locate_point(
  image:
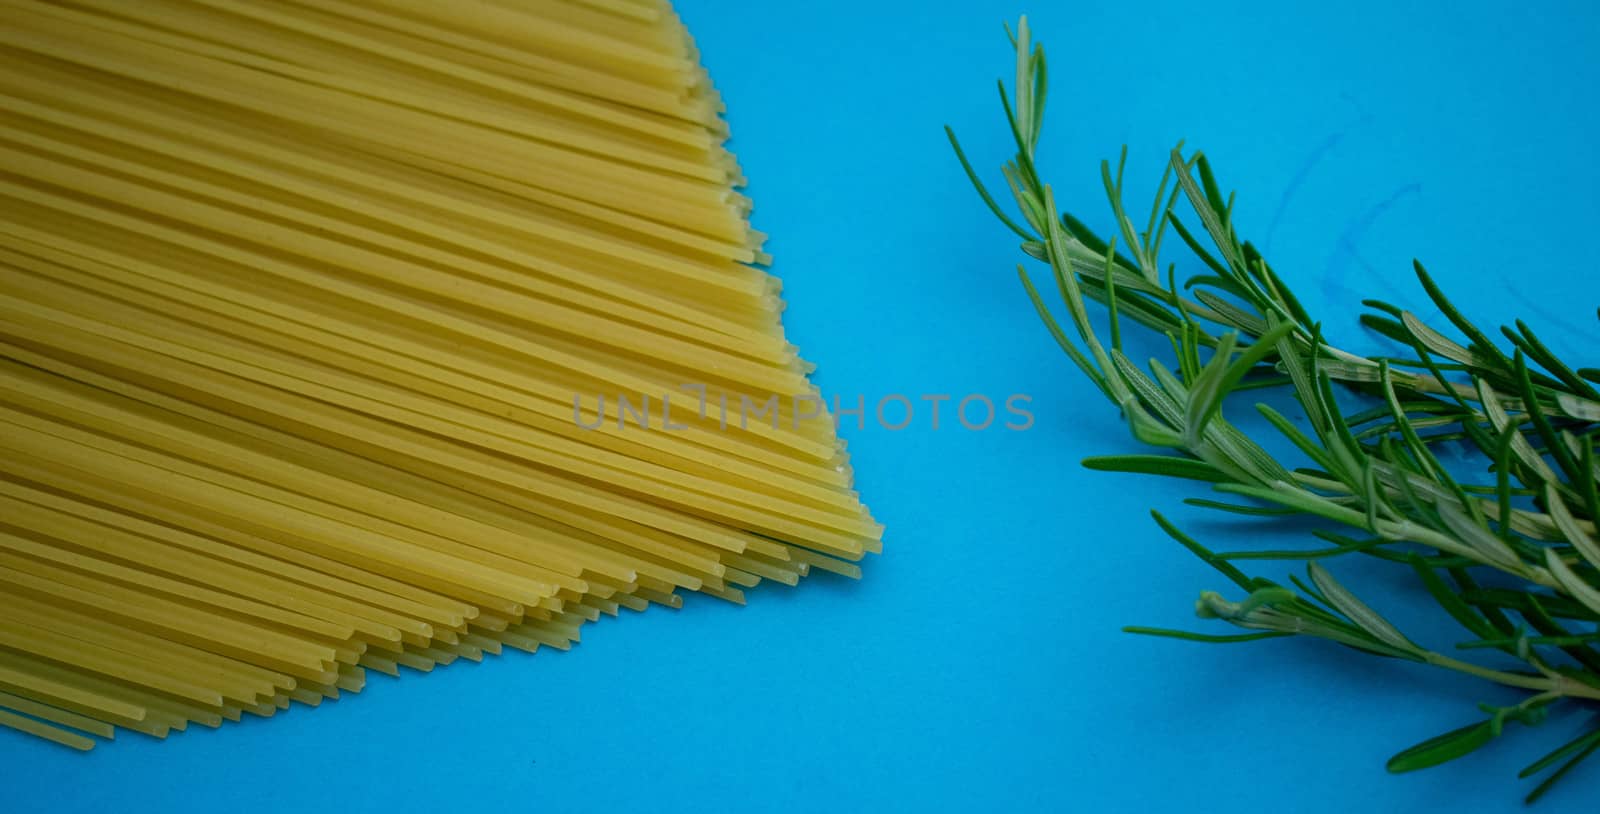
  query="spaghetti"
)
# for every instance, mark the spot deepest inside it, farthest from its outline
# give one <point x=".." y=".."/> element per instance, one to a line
<point x="310" y="316"/>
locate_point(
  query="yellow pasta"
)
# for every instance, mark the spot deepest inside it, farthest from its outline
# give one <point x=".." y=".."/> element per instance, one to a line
<point x="356" y="335"/>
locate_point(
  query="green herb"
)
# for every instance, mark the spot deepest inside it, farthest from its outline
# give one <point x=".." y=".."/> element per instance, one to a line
<point x="1374" y="476"/>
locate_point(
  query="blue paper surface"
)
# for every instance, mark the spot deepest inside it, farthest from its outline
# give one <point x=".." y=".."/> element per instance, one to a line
<point x="979" y="663"/>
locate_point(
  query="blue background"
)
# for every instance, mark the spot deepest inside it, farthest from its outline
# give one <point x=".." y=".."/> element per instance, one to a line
<point x="979" y="665"/>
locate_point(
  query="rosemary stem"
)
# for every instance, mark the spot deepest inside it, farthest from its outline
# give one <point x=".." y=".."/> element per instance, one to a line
<point x="1551" y="686"/>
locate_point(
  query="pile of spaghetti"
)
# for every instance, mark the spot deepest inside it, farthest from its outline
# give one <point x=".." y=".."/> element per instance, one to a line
<point x="314" y="322"/>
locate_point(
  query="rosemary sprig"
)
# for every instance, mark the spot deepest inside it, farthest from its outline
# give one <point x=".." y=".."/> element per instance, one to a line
<point x="1375" y="477"/>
